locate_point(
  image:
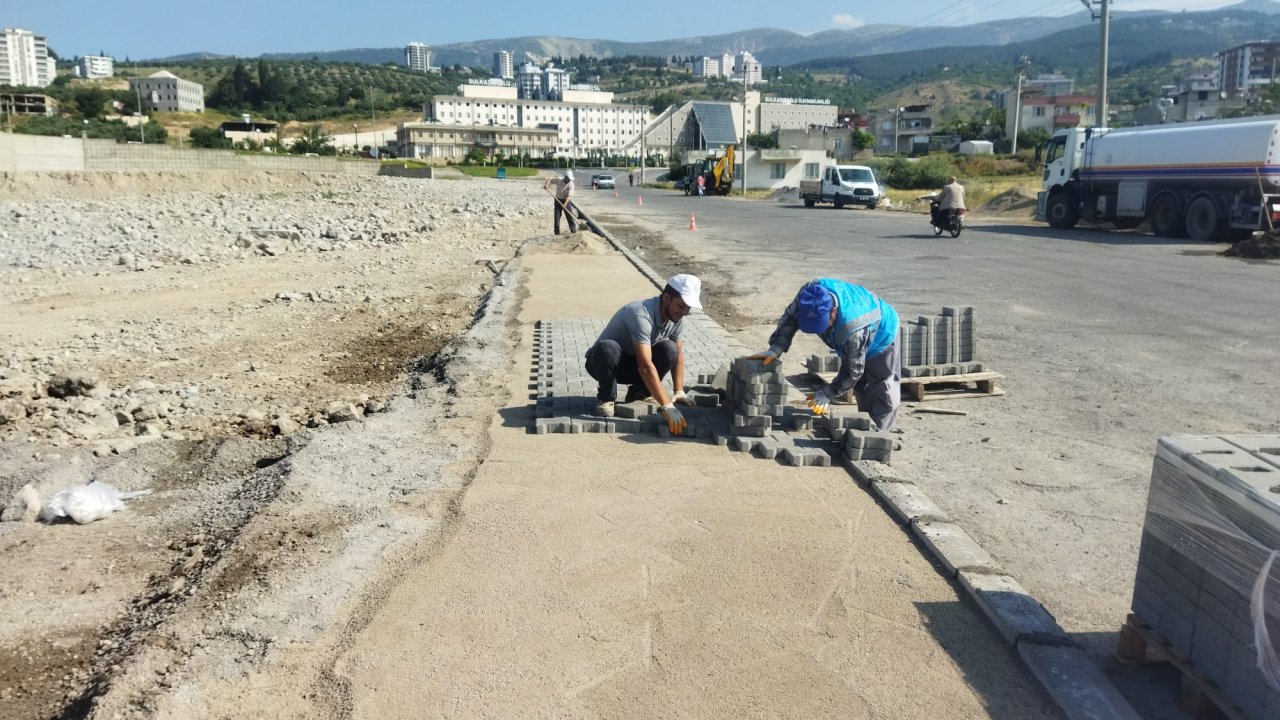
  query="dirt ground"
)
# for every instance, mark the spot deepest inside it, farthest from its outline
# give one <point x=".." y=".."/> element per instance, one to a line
<point x="248" y="354"/>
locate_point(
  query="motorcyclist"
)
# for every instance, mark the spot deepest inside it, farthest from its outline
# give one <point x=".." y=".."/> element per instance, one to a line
<point x="951" y="198"/>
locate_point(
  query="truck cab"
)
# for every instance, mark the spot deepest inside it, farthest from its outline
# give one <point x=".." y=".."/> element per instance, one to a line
<point x="843" y="185"/>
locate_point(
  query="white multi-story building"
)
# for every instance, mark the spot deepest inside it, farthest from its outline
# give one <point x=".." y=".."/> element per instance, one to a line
<point x="555" y="81"/>
<point x="706" y="67"/>
<point x="24" y="59"/>
<point x="726" y="64"/>
<point x="165" y="92"/>
<point x="417" y="57"/>
<point x="750" y="67"/>
<point x="504" y="65"/>
<point x="529" y="81"/>
<point x="585" y="121"/>
<point x="95" y="66"/>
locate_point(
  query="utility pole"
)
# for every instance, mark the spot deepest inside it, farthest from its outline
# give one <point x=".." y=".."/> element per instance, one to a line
<point x="1104" y="14"/>
<point x="744" y="127"/>
<point x="142" y="131"/>
<point x="1017" y="116"/>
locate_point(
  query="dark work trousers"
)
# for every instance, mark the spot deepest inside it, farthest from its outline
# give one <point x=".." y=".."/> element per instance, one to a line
<point x="609" y="365"/>
<point x="561" y="208"/>
<point x="879" y="390"/>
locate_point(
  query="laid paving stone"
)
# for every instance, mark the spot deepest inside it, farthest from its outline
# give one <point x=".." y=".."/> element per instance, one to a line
<point x="953" y="547"/>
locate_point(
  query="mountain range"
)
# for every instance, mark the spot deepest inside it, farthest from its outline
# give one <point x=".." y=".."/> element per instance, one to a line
<point x="770" y="46"/>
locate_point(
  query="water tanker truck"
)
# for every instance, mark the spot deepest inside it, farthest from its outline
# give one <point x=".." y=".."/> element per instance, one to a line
<point x="1210" y="181"/>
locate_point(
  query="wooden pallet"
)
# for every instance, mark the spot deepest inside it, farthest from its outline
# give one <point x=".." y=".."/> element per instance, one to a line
<point x="952" y="387"/>
<point x="1198" y="695"/>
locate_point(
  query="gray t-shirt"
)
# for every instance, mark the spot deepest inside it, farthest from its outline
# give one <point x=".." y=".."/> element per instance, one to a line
<point x="637" y="322"/>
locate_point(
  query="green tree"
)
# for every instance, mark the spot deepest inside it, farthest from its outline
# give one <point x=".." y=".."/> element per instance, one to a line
<point x="1032" y="137"/>
<point x="90" y="102"/>
<point x="762" y="140"/>
<point x="235" y="91"/>
<point x="207" y="137"/>
<point x="860" y="140"/>
<point x="312" y="139"/>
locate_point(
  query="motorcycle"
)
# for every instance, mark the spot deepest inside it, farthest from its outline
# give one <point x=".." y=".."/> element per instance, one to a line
<point x="950" y="220"/>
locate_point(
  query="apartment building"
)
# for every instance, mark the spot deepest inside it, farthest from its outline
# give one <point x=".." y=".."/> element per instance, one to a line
<point x="25" y="60"/>
<point x="95" y="66"/>
<point x="504" y="65"/>
<point x="904" y="130"/>
<point x="417" y="57"/>
<point x="1245" y="70"/>
<point x="1052" y="112"/>
<point x="441" y="143"/>
<point x="163" y="91"/>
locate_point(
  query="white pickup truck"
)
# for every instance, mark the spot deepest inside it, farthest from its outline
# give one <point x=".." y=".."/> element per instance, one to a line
<point x="843" y="185"/>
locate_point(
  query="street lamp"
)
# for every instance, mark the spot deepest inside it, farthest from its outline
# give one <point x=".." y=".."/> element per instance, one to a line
<point x="744" y="127"/>
<point x="897" y="124"/>
<point x="356" y="131"/>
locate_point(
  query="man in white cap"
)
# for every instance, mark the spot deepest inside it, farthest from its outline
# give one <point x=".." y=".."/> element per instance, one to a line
<point x="563" y="201"/>
<point x="640" y="345"/>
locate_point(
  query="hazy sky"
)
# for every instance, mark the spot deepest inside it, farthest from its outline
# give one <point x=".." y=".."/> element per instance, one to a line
<point x="150" y="29"/>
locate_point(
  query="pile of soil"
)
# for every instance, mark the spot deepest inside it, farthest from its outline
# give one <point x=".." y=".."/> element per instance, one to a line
<point x="1019" y="200"/>
<point x="1263" y="245"/>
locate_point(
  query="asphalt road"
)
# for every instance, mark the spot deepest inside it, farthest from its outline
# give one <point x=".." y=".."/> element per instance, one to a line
<point x="1108" y="341"/>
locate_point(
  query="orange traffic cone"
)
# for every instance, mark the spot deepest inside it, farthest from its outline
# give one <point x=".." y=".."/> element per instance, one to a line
<point x="639" y="200"/>
<point x="693" y="224"/>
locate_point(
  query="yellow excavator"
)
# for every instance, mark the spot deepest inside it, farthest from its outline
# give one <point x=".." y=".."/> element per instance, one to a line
<point x="717" y="172"/>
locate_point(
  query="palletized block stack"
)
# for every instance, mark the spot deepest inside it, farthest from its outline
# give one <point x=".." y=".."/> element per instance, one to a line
<point x="755" y="393"/>
<point x="856" y="436"/>
<point x="934" y="345"/>
<point x="1212" y="522"/>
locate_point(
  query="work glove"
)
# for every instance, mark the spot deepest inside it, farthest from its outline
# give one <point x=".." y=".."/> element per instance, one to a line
<point x="675" y="419"/>
<point x="818" y="402"/>
<point x="767" y="357"/>
<point x="679" y="398"/>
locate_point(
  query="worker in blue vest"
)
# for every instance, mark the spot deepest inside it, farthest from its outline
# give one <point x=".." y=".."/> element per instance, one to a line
<point x="862" y="329"/>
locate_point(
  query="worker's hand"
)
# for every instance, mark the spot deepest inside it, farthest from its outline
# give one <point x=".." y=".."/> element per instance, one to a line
<point x="818" y="402"/>
<point x="679" y="398"/>
<point x="767" y="357"/>
<point x="675" y="419"/>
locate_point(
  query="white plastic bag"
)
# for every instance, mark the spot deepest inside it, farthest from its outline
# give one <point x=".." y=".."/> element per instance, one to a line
<point x="86" y="503"/>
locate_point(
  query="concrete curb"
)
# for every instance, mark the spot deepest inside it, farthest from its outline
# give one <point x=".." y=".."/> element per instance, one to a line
<point x="1065" y="670"/>
<point x="1071" y="678"/>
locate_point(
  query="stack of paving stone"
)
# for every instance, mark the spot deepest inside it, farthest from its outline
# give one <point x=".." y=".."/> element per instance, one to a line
<point x="930" y="345"/>
<point x="755" y="393"/>
<point x="1213" y="520"/>
<point x="937" y="345"/>
<point x="856" y="436"/>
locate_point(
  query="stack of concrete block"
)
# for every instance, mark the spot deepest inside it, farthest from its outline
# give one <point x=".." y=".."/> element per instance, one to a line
<point x="797" y="452"/>
<point x="936" y="345"/>
<point x="1213" y="519"/>
<point x="822" y="363"/>
<point x="755" y="394"/>
<point x="856" y="436"/>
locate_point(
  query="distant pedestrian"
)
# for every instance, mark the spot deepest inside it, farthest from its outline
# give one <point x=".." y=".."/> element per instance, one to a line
<point x="702" y="184"/>
<point x="631" y="178"/>
<point x="563" y="201"/>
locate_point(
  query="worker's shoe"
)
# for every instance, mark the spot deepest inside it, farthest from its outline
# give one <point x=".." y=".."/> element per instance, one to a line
<point x="604" y="408"/>
<point x="637" y="392"/>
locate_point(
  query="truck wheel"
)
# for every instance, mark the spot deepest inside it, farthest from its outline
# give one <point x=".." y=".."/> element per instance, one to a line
<point x="808" y="202"/>
<point x="1166" y="217"/>
<point x="1202" y="219"/>
<point x="1061" y="212"/>
<point x="839" y="202"/>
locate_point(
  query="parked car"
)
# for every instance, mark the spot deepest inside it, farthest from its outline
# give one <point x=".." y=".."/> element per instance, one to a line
<point x="602" y="181"/>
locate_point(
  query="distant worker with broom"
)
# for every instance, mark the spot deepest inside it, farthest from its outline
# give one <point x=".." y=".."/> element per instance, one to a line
<point x="563" y="200"/>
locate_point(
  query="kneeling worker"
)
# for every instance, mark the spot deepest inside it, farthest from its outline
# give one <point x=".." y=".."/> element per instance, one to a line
<point x="640" y="345"/>
<point x="862" y="329"/>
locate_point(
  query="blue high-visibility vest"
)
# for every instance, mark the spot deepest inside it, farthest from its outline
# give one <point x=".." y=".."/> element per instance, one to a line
<point x="857" y="308"/>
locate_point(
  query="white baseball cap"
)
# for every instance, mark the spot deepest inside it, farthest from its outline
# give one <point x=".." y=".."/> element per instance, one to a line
<point x="689" y="287"/>
<point x="568" y="174"/>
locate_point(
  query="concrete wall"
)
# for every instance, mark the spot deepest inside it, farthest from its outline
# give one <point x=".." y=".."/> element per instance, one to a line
<point x="36" y="153"/>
